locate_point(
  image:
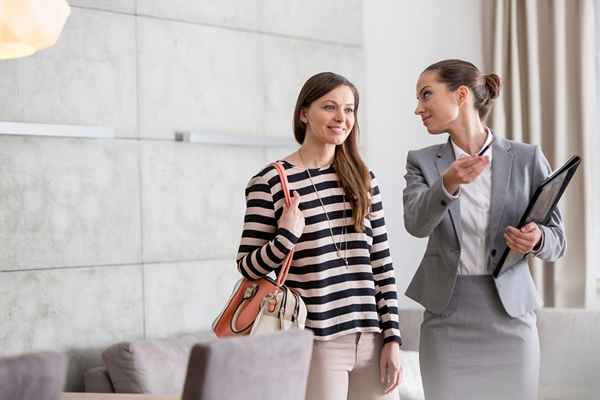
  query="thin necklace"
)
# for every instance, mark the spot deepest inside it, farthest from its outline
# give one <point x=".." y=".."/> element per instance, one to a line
<point x="337" y="248"/>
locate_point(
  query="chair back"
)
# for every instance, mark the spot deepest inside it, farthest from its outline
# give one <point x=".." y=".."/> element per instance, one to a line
<point x="38" y="376"/>
<point x="265" y="367"/>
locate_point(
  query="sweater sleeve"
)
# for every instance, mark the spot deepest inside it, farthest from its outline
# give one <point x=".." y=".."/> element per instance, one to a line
<point x="386" y="293"/>
<point x="263" y="245"/>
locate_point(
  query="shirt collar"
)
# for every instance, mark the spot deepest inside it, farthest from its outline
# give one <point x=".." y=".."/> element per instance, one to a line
<point x="458" y="152"/>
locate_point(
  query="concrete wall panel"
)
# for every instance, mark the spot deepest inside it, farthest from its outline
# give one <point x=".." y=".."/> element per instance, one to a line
<point x="186" y="297"/>
<point x="193" y="199"/>
<point x="333" y="20"/>
<point x="68" y="202"/>
<point x="87" y="78"/>
<point x="196" y="77"/>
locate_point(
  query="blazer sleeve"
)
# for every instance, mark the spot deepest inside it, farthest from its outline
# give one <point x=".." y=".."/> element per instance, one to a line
<point x="263" y="245"/>
<point x="424" y="205"/>
<point x="554" y="243"/>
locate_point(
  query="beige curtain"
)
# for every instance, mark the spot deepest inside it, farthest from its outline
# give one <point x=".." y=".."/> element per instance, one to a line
<point x="545" y="52"/>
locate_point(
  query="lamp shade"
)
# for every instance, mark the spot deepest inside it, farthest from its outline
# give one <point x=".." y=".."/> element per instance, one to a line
<point x="27" y="26"/>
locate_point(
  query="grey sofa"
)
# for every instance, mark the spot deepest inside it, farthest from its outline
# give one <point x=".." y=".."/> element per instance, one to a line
<point x="37" y="376"/>
<point x="569" y="341"/>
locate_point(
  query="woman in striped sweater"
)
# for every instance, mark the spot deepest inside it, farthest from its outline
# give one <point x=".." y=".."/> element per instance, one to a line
<point x="342" y="266"/>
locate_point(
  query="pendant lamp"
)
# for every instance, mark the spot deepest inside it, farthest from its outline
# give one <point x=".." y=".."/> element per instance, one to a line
<point x="27" y="26"/>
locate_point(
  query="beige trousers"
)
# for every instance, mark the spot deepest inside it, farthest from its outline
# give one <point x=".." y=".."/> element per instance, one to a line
<point x="347" y="368"/>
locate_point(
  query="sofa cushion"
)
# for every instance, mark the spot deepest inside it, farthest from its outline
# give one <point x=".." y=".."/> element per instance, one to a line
<point x="155" y="366"/>
<point x="96" y="380"/>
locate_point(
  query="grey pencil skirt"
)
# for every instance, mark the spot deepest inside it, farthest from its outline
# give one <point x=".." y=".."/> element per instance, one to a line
<point x="475" y="350"/>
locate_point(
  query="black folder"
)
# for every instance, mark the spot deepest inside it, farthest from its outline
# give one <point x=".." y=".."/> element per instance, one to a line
<point x="541" y="205"/>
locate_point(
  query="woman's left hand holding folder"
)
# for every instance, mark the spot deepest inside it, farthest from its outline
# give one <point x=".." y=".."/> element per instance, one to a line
<point x="524" y="240"/>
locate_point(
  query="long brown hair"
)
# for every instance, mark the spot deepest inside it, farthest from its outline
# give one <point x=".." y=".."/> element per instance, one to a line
<point x="455" y="73"/>
<point x="350" y="168"/>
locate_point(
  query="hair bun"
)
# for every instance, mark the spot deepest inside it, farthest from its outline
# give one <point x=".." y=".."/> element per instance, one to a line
<point x="492" y="84"/>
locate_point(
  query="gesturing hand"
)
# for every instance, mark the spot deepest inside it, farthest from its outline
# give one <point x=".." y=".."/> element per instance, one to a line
<point x="292" y="218"/>
<point x="523" y="240"/>
<point x="463" y="171"/>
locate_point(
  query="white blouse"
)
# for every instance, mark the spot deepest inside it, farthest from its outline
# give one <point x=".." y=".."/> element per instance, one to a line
<point x="475" y="214"/>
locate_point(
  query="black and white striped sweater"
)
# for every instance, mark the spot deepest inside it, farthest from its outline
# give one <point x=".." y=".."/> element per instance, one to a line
<point x="340" y="299"/>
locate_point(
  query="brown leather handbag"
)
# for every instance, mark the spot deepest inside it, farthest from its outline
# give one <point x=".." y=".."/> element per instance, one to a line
<point x="263" y="305"/>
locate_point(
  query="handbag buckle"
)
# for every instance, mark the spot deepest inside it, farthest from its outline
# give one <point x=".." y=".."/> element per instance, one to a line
<point x="272" y="304"/>
<point x="271" y="301"/>
<point x="250" y="291"/>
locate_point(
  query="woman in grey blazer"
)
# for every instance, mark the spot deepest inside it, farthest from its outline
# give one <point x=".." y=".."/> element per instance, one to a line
<point x="478" y="338"/>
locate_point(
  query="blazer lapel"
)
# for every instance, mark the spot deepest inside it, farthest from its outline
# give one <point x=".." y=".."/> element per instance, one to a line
<point x="445" y="157"/>
<point x="502" y="161"/>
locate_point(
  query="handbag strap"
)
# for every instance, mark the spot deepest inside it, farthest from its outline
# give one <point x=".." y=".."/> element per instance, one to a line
<point x="285" y="267"/>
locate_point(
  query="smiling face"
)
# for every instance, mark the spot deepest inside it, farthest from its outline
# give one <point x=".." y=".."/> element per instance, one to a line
<point x="330" y="118"/>
<point x="437" y="106"/>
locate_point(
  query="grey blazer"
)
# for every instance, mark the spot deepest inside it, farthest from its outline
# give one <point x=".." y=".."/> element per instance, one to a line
<point x="517" y="170"/>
